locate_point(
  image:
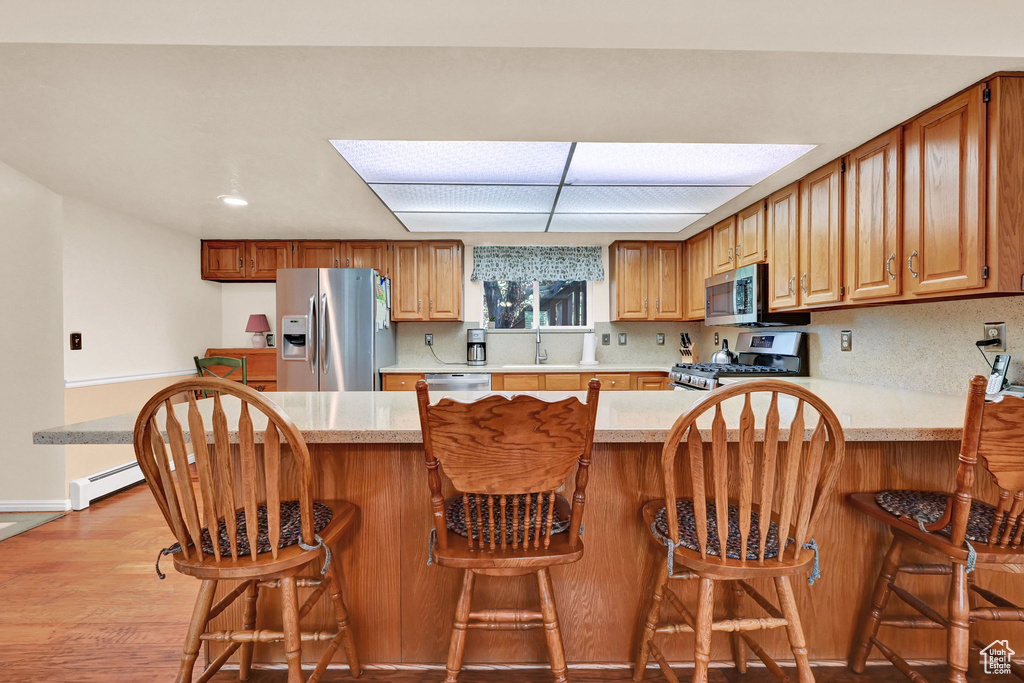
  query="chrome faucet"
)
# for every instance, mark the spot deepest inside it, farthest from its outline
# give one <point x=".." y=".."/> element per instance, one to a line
<point x="541" y="357"/>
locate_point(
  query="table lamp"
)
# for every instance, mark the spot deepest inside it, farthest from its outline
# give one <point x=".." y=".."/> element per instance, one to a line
<point x="259" y="325"/>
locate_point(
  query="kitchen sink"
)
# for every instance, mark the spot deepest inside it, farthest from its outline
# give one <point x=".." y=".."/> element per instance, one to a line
<point x="542" y="366"/>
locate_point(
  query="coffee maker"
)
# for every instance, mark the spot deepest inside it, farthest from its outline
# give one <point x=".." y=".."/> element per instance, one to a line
<point x="476" y="346"/>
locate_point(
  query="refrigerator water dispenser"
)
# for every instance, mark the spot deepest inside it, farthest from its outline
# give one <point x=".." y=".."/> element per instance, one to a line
<point x="293" y="334"/>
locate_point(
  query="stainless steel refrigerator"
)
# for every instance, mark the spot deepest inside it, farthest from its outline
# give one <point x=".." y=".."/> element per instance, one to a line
<point x="335" y="330"/>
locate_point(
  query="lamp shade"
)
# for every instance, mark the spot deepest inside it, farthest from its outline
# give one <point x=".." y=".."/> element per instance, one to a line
<point x="258" y="323"/>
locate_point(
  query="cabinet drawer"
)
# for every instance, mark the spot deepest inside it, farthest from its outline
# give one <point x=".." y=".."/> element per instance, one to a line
<point x="397" y="382"/>
<point x="650" y="383"/>
<point x="616" y="382"/>
<point x="566" y="382"/>
<point x="519" y="382"/>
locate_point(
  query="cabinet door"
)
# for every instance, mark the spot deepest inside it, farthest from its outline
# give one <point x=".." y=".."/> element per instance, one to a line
<point x="630" y="281"/>
<point x="223" y="260"/>
<point x="446" y="280"/>
<point x="368" y="255"/>
<point x="871" y="230"/>
<point x="519" y="382"/>
<point x="666" y="279"/>
<point x="651" y="383"/>
<point x="400" y="382"/>
<point x="265" y="257"/>
<point x="723" y="245"/>
<point x="698" y="268"/>
<point x="750" y="239"/>
<point x="944" y="190"/>
<point x="408" y="282"/>
<point x="561" y="382"/>
<point x="782" y="218"/>
<point x="318" y="254"/>
<point x="821" y="247"/>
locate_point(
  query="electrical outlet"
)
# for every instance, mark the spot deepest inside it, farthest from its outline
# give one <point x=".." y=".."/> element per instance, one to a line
<point x="76" y="341"/>
<point x="995" y="331"/>
<point x="622" y="338"/>
<point x="606" y="339"/>
<point x="846" y="340"/>
<point x="428" y="339"/>
<point x="659" y="339"/>
<point x="716" y="339"/>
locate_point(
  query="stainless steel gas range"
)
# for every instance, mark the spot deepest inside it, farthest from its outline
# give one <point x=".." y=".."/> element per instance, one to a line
<point x="768" y="354"/>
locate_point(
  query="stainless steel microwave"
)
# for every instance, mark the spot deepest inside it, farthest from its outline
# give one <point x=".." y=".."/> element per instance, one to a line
<point x="739" y="298"/>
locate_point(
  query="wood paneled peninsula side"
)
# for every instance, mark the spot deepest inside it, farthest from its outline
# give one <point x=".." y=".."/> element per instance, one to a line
<point x="367" y="449"/>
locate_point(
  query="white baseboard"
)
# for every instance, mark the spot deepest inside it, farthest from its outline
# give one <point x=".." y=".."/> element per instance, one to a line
<point x="84" y="490"/>
<point x="54" y="505"/>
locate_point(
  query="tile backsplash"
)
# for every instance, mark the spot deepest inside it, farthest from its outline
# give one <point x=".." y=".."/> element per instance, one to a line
<point x="562" y="347"/>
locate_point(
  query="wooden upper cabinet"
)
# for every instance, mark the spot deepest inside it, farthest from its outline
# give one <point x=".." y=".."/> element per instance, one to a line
<point x="871" y="227"/>
<point x="944" y="190"/>
<point x="445" y="270"/>
<point x="628" y="262"/>
<point x="408" y="282"/>
<point x="821" y="248"/>
<point x="266" y="256"/>
<point x="368" y="255"/>
<point x="697" y="252"/>
<point x="665" y="265"/>
<point x="783" y="221"/>
<point x="750" y="235"/>
<point x="223" y="260"/>
<point x="318" y="254"/>
<point x="723" y="246"/>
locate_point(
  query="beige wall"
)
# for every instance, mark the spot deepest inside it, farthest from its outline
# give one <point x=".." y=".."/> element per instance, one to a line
<point x="31" y="361"/>
<point x="238" y="301"/>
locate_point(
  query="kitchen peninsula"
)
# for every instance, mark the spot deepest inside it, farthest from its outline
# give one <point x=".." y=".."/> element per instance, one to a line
<point x="366" y="449"/>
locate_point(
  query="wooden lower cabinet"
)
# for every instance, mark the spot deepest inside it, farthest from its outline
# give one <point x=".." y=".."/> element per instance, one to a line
<point x="651" y="383"/>
<point x="572" y="381"/>
<point x="560" y="382"/>
<point x="614" y="382"/>
<point x="400" y="382"/>
<point x="260" y="366"/>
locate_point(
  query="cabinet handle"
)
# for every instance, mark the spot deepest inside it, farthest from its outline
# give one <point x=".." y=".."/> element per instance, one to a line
<point x="803" y="284"/>
<point x="241" y="262"/>
<point x="739" y="245"/>
<point x="337" y="263"/>
<point x="252" y="264"/>
<point x="910" y="263"/>
<point x="419" y="305"/>
<point x="888" y="266"/>
<point x="431" y="304"/>
<point x="348" y="263"/>
<point x="792" y="281"/>
<point x="657" y="305"/>
<point x="645" y="305"/>
<point x="730" y="253"/>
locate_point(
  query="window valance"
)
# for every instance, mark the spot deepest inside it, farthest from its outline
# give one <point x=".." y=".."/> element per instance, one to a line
<point x="537" y="263"/>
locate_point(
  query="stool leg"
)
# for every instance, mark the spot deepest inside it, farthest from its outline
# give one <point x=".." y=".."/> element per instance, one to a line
<point x="702" y="641"/>
<point x="200" y="615"/>
<point x="556" y="653"/>
<point x="739" y="652"/>
<point x="458" y="643"/>
<point x="292" y="635"/>
<point x="959" y="635"/>
<point x="879" y="600"/>
<point x="252" y="594"/>
<point x="974" y="667"/>
<point x="793" y="629"/>
<point x="341" y="614"/>
<point x="653" y="615"/>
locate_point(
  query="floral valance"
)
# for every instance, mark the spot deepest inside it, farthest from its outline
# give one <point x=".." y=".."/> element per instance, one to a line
<point x="537" y="263"/>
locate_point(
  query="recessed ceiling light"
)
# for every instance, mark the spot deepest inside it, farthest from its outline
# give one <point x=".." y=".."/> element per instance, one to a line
<point x="232" y="200"/>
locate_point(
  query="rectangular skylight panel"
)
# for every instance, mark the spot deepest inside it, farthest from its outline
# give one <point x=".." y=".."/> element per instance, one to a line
<point x="626" y="163"/>
<point x="622" y="222"/>
<point x="643" y="199"/>
<point x="468" y="198"/>
<point x="474" y="222"/>
<point x="458" y="162"/>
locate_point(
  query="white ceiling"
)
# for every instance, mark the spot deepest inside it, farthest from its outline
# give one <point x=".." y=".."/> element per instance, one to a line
<point x="159" y="131"/>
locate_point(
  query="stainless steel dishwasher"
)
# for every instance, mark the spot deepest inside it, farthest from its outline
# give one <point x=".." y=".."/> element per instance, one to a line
<point x="461" y="381"/>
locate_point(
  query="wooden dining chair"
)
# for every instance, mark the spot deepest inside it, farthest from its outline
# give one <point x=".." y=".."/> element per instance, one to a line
<point x="963" y="531"/>
<point x="507" y="457"/>
<point x="240" y="482"/>
<point x="760" y="493"/>
<point x="221" y="366"/>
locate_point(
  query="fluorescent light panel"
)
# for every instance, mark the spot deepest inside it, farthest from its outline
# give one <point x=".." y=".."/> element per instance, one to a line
<point x="473" y="222"/>
<point x="622" y="222"/>
<point x="643" y="199"/>
<point x="468" y="198"/>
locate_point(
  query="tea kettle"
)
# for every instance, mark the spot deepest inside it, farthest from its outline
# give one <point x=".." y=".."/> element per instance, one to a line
<point x="725" y="356"/>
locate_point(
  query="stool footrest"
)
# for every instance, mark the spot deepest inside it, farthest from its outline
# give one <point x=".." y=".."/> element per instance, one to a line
<point x="505" y="620"/>
<point x="930" y="569"/>
<point x="919" y="604"/>
<point x="261" y="636"/>
<point x="910" y="622"/>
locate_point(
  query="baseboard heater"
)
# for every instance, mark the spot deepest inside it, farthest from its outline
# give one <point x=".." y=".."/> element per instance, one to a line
<point x="87" y="489"/>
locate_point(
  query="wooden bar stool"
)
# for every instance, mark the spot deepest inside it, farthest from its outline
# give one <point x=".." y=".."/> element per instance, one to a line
<point x="289" y="536"/>
<point x="963" y="531"/>
<point x="771" y="487"/>
<point x="507" y="458"/>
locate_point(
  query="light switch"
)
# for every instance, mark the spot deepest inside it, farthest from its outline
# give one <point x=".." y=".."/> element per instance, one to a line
<point x="76" y="341"/>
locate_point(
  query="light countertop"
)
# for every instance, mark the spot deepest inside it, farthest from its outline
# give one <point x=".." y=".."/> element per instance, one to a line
<point x="495" y="368"/>
<point x="867" y="413"/>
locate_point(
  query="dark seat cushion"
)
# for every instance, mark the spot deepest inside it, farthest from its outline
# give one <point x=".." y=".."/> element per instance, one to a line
<point x="291" y="529"/>
<point x="455" y="516"/>
<point x="928" y="506"/>
<point x="688" y="531"/>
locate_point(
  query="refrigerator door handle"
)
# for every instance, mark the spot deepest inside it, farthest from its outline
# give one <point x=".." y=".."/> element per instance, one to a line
<point x="325" y="357"/>
<point x="310" y="326"/>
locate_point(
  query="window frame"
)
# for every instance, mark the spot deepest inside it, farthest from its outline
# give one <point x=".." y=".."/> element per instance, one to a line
<point x="589" y="327"/>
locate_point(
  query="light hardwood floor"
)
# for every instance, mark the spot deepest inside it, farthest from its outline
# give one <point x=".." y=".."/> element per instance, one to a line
<point x="80" y="602"/>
